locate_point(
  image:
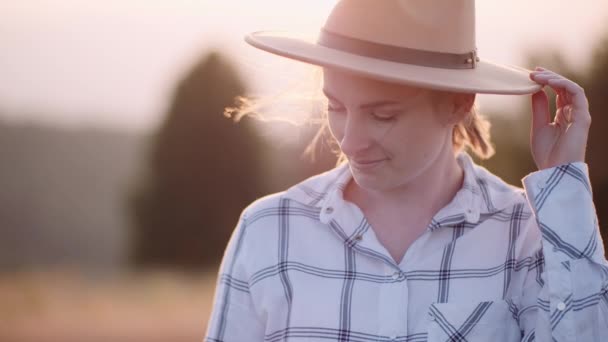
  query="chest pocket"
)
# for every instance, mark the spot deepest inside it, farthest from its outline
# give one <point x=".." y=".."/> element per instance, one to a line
<point x="472" y="322"/>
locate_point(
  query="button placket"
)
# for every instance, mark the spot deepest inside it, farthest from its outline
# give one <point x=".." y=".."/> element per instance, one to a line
<point x="393" y="302"/>
<point x="398" y="275"/>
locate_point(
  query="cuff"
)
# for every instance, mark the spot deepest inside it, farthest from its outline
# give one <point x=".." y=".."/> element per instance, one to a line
<point x="562" y="201"/>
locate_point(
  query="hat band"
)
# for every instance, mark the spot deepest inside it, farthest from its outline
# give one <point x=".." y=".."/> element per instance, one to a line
<point x="398" y="54"/>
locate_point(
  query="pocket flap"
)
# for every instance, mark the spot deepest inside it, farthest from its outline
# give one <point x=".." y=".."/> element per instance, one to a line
<point x="472" y="321"/>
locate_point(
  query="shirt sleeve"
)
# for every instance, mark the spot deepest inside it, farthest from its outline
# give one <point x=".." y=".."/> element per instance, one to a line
<point x="233" y="317"/>
<point x="565" y="298"/>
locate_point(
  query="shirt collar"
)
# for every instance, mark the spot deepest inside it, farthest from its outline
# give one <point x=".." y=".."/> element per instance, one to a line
<point x="481" y="195"/>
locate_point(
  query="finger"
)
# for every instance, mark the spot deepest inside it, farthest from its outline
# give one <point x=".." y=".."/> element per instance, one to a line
<point x="563" y="117"/>
<point x="575" y="112"/>
<point x="547" y="70"/>
<point x="560" y="100"/>
<point x="548" y="79"/>
<point x="571" y="92"/>
<point x="540" y="71"/>
<point x="545" y="75"/>
<point x="574" y="91"/>
<point x="540" y="110"/>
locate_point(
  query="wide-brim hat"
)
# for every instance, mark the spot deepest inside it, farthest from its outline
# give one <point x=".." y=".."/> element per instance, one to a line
<point x="424" y="43"/>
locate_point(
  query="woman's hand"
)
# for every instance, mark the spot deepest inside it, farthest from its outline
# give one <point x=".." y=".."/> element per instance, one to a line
<point x="565" y="139"/>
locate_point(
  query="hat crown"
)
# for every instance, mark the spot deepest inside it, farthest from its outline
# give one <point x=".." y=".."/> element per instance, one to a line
<point x="433" y="25"/>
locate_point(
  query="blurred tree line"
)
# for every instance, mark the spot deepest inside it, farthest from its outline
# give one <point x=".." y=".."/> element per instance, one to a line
<point x="203" y="169"/>
<point x="61" y="196"/>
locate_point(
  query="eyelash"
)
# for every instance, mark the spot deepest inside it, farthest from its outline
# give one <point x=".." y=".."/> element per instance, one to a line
<point x="373" y="114"/>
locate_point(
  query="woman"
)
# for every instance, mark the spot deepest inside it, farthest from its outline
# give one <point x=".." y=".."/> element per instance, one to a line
<point x="409" y="239"/>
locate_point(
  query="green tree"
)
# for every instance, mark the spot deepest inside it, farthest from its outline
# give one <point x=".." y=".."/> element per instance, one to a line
<point x="202" y="170"/>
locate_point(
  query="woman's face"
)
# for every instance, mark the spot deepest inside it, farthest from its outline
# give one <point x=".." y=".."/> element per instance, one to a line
<point x="389" y="133"/>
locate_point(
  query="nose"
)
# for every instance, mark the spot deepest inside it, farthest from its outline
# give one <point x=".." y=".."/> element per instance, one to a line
<point x="356" y="137"/>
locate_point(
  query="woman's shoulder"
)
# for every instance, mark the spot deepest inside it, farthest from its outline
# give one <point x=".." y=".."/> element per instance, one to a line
<point x="308" y="193"/>
<point x="303" y="198"/>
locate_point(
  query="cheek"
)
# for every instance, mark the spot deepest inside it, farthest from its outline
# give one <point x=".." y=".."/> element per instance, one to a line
<point x="417" y="140"/>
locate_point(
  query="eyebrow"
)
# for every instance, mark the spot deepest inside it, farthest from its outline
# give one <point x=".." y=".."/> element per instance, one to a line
<point x="366" y="105"/>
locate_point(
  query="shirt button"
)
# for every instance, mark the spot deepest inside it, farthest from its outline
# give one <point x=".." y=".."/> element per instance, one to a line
<point x="358" y="237"/>
<point x="561" y="306"/>
<point x="329" y="210"/>
<point x="396" y="275"/>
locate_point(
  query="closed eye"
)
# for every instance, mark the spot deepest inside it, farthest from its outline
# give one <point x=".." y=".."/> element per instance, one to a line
<point x="385" y="118"/>
<point x="375" y="115"/>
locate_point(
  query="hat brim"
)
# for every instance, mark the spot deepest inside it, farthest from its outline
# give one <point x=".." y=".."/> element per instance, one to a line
<point x="485" y="78"/>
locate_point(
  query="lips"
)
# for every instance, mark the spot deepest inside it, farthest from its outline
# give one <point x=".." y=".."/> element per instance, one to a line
<point x="366" y="164"/>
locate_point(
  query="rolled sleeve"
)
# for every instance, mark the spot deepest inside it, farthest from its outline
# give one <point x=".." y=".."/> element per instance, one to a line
<point x="570" y="302"/>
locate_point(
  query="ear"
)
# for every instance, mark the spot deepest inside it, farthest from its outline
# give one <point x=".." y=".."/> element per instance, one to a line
<point x="463" y="103"/>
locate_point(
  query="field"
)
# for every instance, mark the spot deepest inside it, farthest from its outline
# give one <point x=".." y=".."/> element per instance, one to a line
<point x="67" y="306"/>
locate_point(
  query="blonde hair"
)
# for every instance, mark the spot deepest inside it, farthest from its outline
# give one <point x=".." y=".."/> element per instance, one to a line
<point x="471" y="133"/>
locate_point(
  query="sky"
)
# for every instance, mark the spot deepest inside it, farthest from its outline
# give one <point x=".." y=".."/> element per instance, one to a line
<point x="115" y="63"/>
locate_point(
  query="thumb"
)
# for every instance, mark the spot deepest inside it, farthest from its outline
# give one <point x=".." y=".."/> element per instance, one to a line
<point x="540" y="110"/>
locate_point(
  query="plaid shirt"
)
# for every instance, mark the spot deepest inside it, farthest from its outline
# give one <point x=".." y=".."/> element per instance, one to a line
<point x="498" y="263"/>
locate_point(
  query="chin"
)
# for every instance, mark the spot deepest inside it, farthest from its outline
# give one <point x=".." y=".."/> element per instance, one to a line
<point x="374" y="182"/>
